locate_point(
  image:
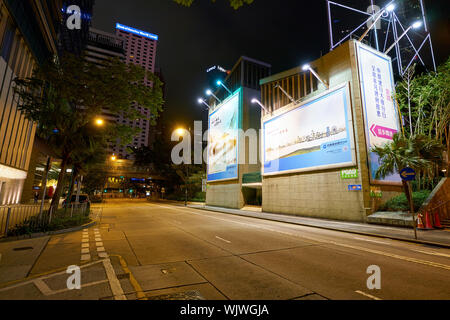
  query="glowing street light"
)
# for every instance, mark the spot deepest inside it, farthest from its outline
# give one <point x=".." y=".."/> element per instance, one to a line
<point x="256" y="101"/>
<point x="202" y="101"/>
<point x="99" y="122"/>
<point x="210" y="93"/>
<point x="389" y="8"/>
<point x="307" y="67"/>
<point x="415" y="25"/>
<point x="113" y="157"/>
<point x="180" y="132"/>
<point x="220" y="83"/>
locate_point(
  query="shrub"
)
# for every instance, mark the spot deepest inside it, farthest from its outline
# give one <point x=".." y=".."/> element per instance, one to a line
<point x="400" y="203"/>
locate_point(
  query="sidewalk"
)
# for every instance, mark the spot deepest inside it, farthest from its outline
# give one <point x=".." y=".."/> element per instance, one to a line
<point x="432" y="237"/>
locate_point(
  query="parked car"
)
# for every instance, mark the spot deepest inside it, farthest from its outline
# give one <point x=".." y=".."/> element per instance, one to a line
<point x="84" y="198"/>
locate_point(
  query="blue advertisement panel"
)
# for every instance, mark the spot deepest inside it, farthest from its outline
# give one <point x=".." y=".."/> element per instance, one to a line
<point x="223" y="140"/>
<point x="315" y="135"/>
<point x="380" y="110"/>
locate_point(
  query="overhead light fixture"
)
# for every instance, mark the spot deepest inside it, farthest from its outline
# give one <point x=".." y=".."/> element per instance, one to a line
<point x="256" y="101"/>
<point x="201" y="101"/>
<point x="389" y="8"/>
<point x="285" y="93"/>
<point x="415" y="25"/>
<point x="220" y="83"/>
<point x="307" y="67"/>
<point x="210" y="93"/>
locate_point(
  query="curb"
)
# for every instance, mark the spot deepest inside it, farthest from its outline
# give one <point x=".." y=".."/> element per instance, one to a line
<point x="430" y="243"/>
<point x="50" y="233"/>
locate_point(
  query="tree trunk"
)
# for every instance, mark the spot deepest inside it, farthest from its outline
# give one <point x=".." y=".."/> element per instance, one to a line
<point x="72" y="182"/>
<point x="60" y="185"/>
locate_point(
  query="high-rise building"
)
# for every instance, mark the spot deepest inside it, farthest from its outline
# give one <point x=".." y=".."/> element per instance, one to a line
<point x="140" y="49"/>
<point x="28" y="37"/>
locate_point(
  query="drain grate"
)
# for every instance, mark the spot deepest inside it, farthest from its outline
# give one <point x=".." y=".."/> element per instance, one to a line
<point x="188" y="295"/>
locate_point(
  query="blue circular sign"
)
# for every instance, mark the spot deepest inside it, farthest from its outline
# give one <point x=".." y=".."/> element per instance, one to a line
<point x="408" y="174"/>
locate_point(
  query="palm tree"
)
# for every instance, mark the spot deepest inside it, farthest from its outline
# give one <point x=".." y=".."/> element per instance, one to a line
<point x="418" y="152"/>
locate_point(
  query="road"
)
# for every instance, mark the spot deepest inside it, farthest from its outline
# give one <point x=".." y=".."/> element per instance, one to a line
<point x="161" y="251"/>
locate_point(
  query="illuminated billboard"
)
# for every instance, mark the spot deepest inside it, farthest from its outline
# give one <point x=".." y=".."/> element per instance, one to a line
<point x="223" y="139"/>
<point x="314" y="135"/>
<point x="380" y="111"/>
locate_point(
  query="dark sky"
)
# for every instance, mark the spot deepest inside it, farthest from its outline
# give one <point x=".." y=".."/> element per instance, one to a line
<point x="284" y="33"/>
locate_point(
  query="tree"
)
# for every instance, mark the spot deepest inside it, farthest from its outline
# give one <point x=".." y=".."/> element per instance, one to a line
<point x="417" y="152"/>
<point x="64" y="97"/>
<point x="236" y="4"/>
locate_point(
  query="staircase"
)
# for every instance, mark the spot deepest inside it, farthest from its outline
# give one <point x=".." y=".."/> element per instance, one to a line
<point x="446" y="223"/>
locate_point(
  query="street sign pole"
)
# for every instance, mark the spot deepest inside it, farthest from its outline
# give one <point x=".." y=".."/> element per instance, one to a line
<point x="408" y="175"/>
<point x="412" y="208"/>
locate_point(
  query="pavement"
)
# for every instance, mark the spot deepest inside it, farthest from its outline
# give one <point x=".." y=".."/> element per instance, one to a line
<point x="431" y="237"/>
<point x="159" y="251"/>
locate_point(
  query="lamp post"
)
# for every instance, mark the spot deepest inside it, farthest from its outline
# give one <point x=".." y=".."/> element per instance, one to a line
<point x="201" y="101"/>
<point x="256" y="101"/>
<point x="307" y="67"/>
<point x="181" y="132"/>
<point x="415" y="25"/>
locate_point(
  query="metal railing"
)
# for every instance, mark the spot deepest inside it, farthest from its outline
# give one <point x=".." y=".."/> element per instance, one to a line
<point x="442" y="209"/>
<point x="16" y="215"/>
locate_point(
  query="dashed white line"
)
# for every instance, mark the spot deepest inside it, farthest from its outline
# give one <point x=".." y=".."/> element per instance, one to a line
<point x="369" y="240"/>
<point x="113" y="281"/>
<point x="433" y="253"/>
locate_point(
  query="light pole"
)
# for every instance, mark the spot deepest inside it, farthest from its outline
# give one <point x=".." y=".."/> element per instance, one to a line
<point x="389" y="8"/>
<point x="201" y="101"/>
<point x="181" y="132"/>
<point x="210" y="93"/>
<point x="415" y="25"/>
<point x="256" y="101"/>
<point x="307" y="67"/>
<point x="220" y="83"/>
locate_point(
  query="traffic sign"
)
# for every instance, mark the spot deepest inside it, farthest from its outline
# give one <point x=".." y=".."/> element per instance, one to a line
<point x="357" y="187"/>
<point x="408" y="174"/>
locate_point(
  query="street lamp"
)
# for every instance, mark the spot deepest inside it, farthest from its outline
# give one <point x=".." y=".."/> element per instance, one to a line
<point x="99" y="122"/>
<point x="256" y="101"/>
<point x="113" y="157"/>
<point x="415" y="25"/>
<point x="181" y="132"/>
<point x="210" y="93"/>
<point x="201" y="101"/>
<point x="285" y="93"/>
<point x="307" y="67"/>
<point x="220" y="83"/>
<point x="389" y="8"/>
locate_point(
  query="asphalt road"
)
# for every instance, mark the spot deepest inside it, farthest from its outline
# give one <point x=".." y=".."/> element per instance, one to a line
<point x="174" y="252"/>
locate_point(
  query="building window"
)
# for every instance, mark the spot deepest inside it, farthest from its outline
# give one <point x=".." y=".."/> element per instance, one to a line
<point x="8" y="40"/>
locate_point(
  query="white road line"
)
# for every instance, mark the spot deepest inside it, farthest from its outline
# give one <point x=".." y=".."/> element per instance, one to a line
<point x="85" y="245"/>
<point x="223" y="239"/>
<point x="82" y="286"/>
<point x="98" y="239"/>
<point x="433" y="253"/>
<point x="114" y="283"/>
<point x="378" y="252"/>
<point x="84" y="250"/>
<point x="368" y="295"/>
<point x="85" y="241"/>
<point x="43" y="287"/>
<point x="100" y="249"/>
<point x="368" y="240"/>
<point x="85" y="257"/>
<point x="99" y="244"/>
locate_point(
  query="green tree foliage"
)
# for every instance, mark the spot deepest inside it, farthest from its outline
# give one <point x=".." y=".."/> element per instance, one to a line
<point x="64" y="97"/>
<point x="236" y="4"/>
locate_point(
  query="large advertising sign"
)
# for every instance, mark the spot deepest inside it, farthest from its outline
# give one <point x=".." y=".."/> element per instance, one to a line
<point x="223" y="140"/>
<point x="315" y="135"/>
<point x="380" y="110"/>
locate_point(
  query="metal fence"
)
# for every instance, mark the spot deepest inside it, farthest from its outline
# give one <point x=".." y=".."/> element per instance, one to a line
<point x="15" y="215"/>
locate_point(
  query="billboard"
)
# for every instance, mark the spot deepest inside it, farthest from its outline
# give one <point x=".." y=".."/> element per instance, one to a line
<point x="223" y="140"/>
<point x="381" y="117"/>
<point x="315" y="135"/>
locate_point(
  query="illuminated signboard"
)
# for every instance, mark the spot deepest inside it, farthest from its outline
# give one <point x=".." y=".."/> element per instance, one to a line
<point x="380" y="110"/>
<point x="314" y="135"/>
<point x="223" y="139"/>
<point x="136" y="31"/>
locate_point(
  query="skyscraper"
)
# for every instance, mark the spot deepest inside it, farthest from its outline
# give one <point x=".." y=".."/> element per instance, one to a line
<point x="140" y="49"/>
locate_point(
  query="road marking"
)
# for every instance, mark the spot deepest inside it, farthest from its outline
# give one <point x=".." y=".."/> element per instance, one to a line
<point x="137" y="287"/>
<point x="99" y="244"/>
<point x="85" y="245"/>
<point x="223" y="239"/>
<point x="85" y="257"/>
<point x="378" y="252"/>
<point x="100" y="249"/>
<point x="98" y="239"/>
<point x="368" y="240"/>
<point x="103" y="255"/>
<point x="85" y="241"/>
<point x="84" y="250"/>
<point x="367" y="295"/>
<point x="433" y="253"/>
<point x="90" y="284"/>
<point x="114" y="283"/>
<point x="43" y="287"/>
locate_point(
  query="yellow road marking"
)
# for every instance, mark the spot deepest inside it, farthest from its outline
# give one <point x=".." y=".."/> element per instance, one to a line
<point x="137" y="287"/>
<point x="367" y="295"/>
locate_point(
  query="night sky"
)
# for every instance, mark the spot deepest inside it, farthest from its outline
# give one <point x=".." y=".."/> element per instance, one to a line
<point x="284" y="33"/>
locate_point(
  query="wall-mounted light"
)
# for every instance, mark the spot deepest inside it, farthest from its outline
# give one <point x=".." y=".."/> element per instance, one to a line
<point x="220" y="83"/>
<point x="389" y="8"/>
<point x="285" y="93"/>
<point x="307" y="67"/>
<point x="210" y="93"/>
<point x="201" y="101"/>
<point x="256" y="101"/>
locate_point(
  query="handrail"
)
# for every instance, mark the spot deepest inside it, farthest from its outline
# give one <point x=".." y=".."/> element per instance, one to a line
<point x="443" y="203"/>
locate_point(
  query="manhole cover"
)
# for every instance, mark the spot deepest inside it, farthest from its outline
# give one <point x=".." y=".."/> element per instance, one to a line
<point x="188" y="295"/>
<point x="23" y="249"/>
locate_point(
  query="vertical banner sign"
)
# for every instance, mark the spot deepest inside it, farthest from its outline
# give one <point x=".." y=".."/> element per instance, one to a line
<point x="223" y="140"/>
<point x="380" y="110"/>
